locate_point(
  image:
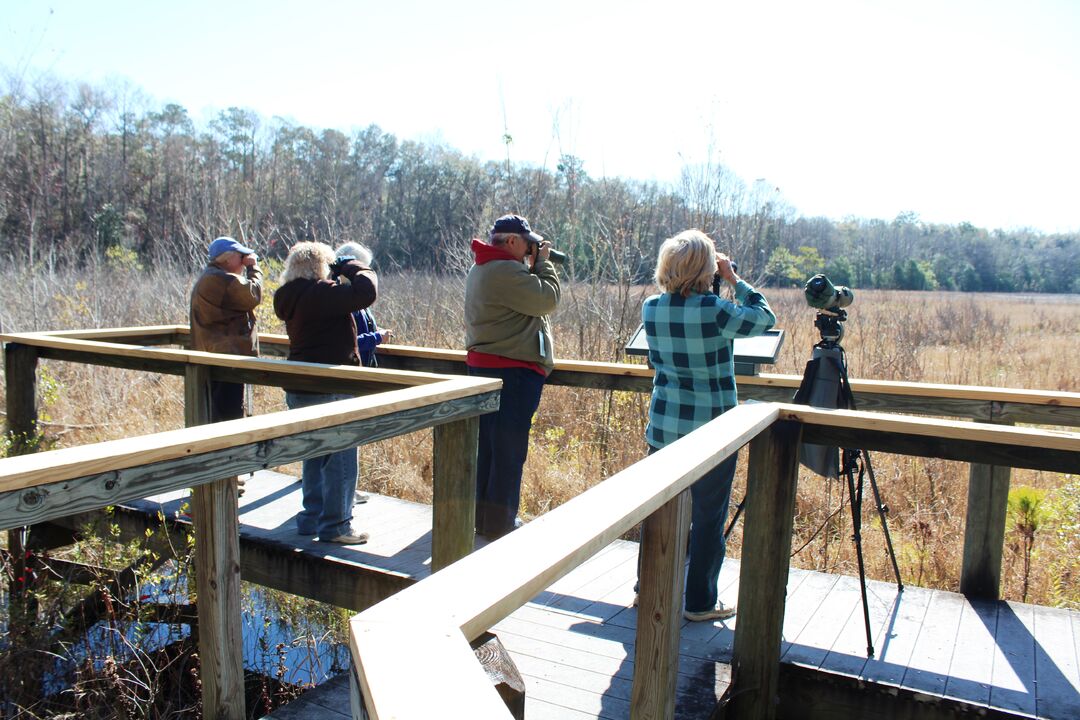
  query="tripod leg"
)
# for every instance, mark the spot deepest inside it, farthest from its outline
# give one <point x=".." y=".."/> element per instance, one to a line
<point x="855" y="495"/>
<point x="882" y="510"/>
<point x="735" y="518"/>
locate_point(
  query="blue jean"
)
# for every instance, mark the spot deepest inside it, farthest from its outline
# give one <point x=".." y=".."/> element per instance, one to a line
<point x="329" y="481"/>
<point x="503" y="447"/>
<point x="710" y="498"/>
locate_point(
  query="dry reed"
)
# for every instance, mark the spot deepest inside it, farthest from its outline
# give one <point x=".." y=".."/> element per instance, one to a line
<point x="582" y="436"/>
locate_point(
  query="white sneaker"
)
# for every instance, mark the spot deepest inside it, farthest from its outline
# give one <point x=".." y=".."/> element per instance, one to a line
<point x="360" y="498"/>
<point x="720" y="612"/>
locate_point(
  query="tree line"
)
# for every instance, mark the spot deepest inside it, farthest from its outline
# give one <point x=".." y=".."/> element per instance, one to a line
<point x="93" y="172"/>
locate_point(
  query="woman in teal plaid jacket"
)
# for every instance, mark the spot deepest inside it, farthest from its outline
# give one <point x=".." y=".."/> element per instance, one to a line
<point x="690" y="330"/>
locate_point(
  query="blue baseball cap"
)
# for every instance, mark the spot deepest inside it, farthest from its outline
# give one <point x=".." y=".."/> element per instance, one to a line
<point x="225" y="244"/>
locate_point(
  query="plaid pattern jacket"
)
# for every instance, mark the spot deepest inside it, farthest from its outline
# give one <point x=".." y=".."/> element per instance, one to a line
<point x="690" y="341"/>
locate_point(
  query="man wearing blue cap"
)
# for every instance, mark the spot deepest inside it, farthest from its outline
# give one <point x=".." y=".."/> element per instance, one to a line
<point x="222" y="316"/>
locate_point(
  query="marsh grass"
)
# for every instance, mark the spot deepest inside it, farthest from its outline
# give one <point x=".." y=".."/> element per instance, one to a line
<point x="582" y="436"/>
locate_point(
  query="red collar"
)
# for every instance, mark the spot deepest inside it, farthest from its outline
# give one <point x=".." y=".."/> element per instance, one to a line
<point x="486" y="253"/>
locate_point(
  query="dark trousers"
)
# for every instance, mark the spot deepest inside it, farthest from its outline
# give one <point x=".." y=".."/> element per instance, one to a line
<point x="226" y="401"/>
<point x="710" y="498"/>
<point x="503" y="447"/>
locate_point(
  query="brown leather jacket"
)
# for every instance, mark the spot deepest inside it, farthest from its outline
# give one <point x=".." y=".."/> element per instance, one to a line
<point x="222" y="311"/>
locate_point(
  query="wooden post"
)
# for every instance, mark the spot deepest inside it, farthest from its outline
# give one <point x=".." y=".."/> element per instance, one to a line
<point x="217" y="572"/>
<point x="984" y="530"/>
<point x="20" y="378"/>
<point x="660" y="603"/>
<point x="770" y="503"/>
<point x="453" y="522"/>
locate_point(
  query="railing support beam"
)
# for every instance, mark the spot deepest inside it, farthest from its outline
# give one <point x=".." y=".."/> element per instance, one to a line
<point x="20" y="376"/>
<point x="453" y="530"/>
<point x="660" y="602"/>
<point x="217" y="572"/>
<point x="770" y="503"/>
<point x="984" y="531"/>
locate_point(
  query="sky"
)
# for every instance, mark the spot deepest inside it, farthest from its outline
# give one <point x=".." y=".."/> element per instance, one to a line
<point x="956" y="110"/>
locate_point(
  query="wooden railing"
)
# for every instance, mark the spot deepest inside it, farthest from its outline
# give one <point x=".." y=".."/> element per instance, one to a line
<point x="425" y="630"/>
<point x="58" y="483"/>
<point x="35" y="488"/>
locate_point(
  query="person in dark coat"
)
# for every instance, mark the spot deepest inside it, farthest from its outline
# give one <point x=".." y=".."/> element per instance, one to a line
<point x="317" y="299"/>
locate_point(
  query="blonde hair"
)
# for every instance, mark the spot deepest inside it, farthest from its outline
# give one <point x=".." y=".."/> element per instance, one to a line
<point x="357" y="250"/>
<point x="686" y="263"/>
<point x="310" y="260"/>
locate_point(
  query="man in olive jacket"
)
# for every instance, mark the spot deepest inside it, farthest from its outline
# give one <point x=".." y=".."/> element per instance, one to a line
<point x="509" y="293"/>
<point x="222" y="316"/>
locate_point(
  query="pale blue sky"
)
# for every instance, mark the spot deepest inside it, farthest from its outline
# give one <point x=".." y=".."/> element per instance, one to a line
<point x="954" y="109"/>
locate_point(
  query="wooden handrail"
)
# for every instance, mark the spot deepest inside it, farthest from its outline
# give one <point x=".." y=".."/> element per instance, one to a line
<point x="483" y="588"/>
<point x="1067" y="402"/>
<point x="26" y="471"/>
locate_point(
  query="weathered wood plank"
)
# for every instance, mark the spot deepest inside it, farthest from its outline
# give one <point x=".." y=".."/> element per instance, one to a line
<point x="896" y="644"/>
<point x="656" y="657"/>
<point x="929" y="668"/>
<point x="839" y="610"/>
<point x="978" y="403"/>
<point x="770" y="502"/>
<point x="1057" y="667"/>
<point x="195" y="456"/>
<point x="217" y="572"/>
<point x="1013" y="682"/>
<point x="847" y="654"/>
<point x="984" y="530"/>
<point x="454" y="491"/>
<point x="592" y="579"/>
<point x="144" y="335"/>
<point x="803" y="606"/>
<point x="20" y="381"/>
<point x="390" y="693"/>
<point x="952" y="440"/>
<point x="974" y="648"/>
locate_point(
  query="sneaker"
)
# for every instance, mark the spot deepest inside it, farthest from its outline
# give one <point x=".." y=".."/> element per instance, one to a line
<point x="720" y="612"/>
<point x="360" y="498"/>
<point x="352" y="537"/>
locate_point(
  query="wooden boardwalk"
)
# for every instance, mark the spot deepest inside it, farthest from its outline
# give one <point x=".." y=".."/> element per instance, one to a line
<point x="574" y="643"/>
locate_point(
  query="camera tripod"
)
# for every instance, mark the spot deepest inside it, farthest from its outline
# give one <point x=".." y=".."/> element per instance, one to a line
<point x="825" y="384"/>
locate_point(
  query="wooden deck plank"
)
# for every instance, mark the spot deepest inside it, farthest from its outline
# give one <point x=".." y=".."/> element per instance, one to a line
<point x="973" y="652"/>
<point x="536" y="709"/>
<point x="593" y="704"/>
<point x="803" y="604"/>
<point x="594" y="656"/>
<point x="928" y="671"/>
<point x="896" y="643"/>
<point x="848" y="654"/>
<point x="599" y="576"/>
<point x="1012" y="682"/>
<point x="1057" y="670"/>
<point x="812" y="644"/>
<point x="697" y="683"/>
